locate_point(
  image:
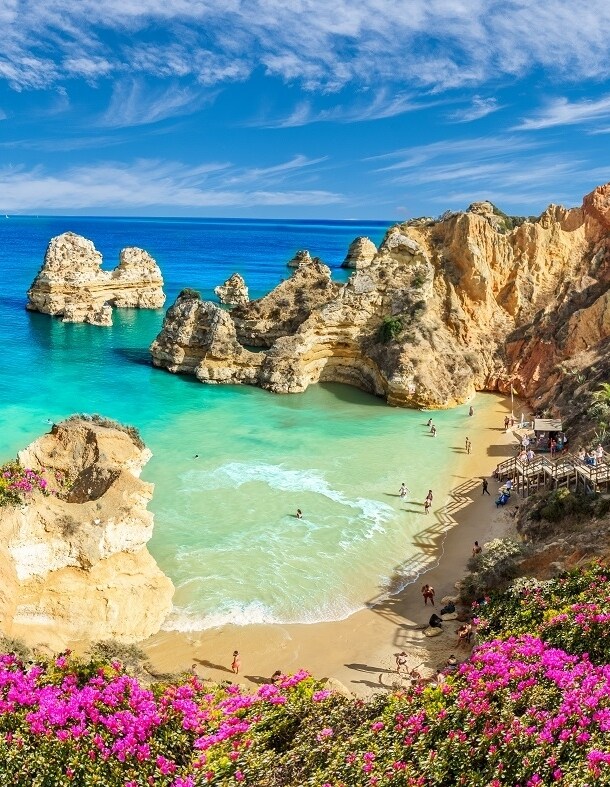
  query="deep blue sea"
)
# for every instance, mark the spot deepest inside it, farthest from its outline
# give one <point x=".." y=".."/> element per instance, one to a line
<point x="224" y="526"/>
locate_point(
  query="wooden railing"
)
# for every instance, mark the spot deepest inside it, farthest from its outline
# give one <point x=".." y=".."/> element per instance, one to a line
<point x="566" y="470"/>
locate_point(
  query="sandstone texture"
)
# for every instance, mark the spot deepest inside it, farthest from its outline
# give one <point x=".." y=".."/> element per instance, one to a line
<point x="72" y="285"/>
<point x="233" y="292"/>
<point x="360" y="253"/>
<point x="74" y="564"/>
<point x="475" y="300"/>
<point x="302" y="257"/>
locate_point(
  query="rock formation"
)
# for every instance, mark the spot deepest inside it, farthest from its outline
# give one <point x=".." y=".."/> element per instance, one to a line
<point x="302" y="257"/>
<point x="360" y="254"/>
<point x="71" y="284"/>
<point x="74" y="564"/>
<point x="233" y="292"/>
<point x="476" y="300"/>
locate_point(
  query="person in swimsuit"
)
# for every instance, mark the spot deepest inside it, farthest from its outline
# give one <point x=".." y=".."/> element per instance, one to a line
<point x="428" y="593"/>
<point x="236" y="664"/>
<point x="401" y="662"/>
<point x="299" y="514"/>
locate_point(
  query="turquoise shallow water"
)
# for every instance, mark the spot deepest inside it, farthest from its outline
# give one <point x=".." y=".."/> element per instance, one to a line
<point x="225" y="530"/>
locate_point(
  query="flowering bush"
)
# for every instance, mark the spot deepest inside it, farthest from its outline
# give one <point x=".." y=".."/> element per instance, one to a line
<point x="522" y="712"/>
<point x="571" y="612"/>
<point x="16" y="482"/>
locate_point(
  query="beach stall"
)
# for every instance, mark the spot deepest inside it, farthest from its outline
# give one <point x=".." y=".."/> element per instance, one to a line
<point x="547" y="430"/>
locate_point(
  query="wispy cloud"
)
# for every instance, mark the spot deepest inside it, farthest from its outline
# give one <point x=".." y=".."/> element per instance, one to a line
<point x="151" y="185"/>
<point x="479" y="108"/>
<point x="520" y="171"/>
<point x="321" y="45"/>
<point x="562" y="112"/>
<point x="383" y="103"/>
<point x="135" y="104"/>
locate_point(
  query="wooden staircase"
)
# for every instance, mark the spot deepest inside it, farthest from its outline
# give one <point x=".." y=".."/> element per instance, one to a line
<point x="566" y="471"/>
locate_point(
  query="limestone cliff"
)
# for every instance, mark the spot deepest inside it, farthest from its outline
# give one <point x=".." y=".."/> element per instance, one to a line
<point x="475" y="300"/>
<point x="233" y="292"/>
<point x="72" y="285"/>
<point x="73" y="557"/>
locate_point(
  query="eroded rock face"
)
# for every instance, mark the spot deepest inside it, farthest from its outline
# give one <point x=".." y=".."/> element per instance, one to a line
<point x="360" y="254"/>
<point x="473" y="301"/>
<point x="302" y="257"/>
<point x="76" y="565"/>
<point x="233" y="292"/>
<point x="71" y="284"/>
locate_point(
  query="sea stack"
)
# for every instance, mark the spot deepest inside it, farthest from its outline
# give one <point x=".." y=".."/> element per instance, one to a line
<point x="71" y="284"/>
<point x="302" y="257"/>
<point x="74" y="562"/>
<point x="474" y="301"/>
<point x="360" y="254"/>
<point x="233" y="292"/>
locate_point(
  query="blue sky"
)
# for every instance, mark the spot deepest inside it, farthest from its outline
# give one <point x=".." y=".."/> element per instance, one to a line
<point x="349" y="109"/>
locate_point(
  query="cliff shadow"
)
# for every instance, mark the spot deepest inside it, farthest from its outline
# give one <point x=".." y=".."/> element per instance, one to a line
<point x="134" y="355"/>
<point x="352" y="395"/>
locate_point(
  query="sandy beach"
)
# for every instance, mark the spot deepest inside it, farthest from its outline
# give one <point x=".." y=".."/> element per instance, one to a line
<point x="359" y="651"/>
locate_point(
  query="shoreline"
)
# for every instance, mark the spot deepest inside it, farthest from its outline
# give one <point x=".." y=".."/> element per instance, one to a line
<point x="358" y="651"/>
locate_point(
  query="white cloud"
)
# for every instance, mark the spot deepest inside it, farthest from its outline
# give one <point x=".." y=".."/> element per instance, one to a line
<point x="562" y="112"/>
<point x="383" y="103"/>
<point x="479" y="108"/>
<point x="159" y="185"/>
<point x="134" y="104"/>
<point x="507" y="169"/>
<point x="430" y="44"/>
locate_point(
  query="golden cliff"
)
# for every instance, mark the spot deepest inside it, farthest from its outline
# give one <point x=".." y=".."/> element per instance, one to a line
<point x="472" y="301"/>
<point x="72" y="285"/>
<point x="73" y="557"/>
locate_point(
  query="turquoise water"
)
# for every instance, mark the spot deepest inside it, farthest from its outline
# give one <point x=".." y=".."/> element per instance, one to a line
<point x="225" y="530"/>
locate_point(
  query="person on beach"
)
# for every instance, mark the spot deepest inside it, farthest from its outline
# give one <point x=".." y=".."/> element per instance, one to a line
<point x="468" y="445"/>
<point x="401" y="662"/>
<point x="427" y="592"/>
<point x="433" y="430"/>
<point x="427" y="504"/>
<point x="452" y="664"/>
<point x="485" y="487"/>
<point x="448" y="609"/>
<point x="471" y="411"/>
<point x="429" y="424"/>
<point x="476" y="550"/>
<point x="236" y="664"/>
<point x="435" y="622"/>
<point x="299" y="514"/>
<point x="506" y="422"/>
<point x="429" y="495"/>
<point x="276" y="677"/>
<point x="402" y="492"/>
<point x="463" y="635"/>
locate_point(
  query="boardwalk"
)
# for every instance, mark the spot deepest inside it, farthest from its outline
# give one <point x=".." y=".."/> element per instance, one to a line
<point x="566" y="471"/>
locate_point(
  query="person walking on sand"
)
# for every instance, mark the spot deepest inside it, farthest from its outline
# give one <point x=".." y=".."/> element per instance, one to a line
<point x="427" y="592"/>
<point x="299" y="514"/>
<point x="427" y="504"/>
<point x="401" y="662"/>
<point x="485" y="487"/>
<point x="433" y="430"/>
<point x="404" y="490"/>
<point x="471" y="411"/>
<point x="476" y="550"/>
<point x="429" y="495"/>
<point x="236" y="664"/>
<point x="468" y="445"/>
<point x="429" y="424"/>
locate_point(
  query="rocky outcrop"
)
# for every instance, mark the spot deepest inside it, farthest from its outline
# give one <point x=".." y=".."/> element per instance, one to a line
<point x="473" y="301"/>
<point x="360" y="253"/>
<point x="73" y="558"/>
<point x="233" y="292"/>
<point x="302" y="257"/>
<point x="72" y="285"/>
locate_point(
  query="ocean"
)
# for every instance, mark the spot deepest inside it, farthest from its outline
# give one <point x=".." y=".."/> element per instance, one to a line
<point x="225" y="526"/>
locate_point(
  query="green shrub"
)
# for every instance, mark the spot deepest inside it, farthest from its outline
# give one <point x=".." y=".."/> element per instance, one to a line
<point x="491" y="569"/>
<point x="389" y="329"/>
<point x="189" y="292"/>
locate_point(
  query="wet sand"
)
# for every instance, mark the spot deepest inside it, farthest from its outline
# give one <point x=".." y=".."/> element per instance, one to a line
<point x="359" y="651"/>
